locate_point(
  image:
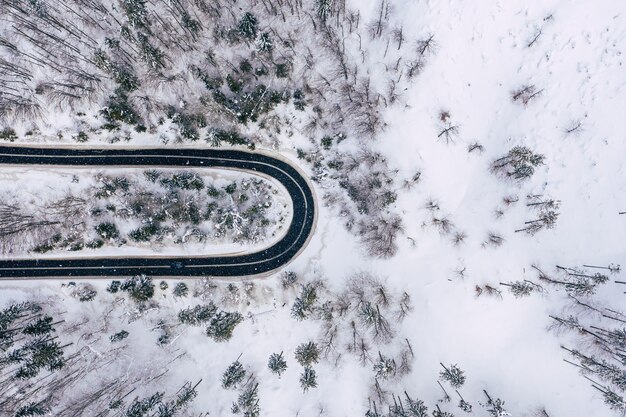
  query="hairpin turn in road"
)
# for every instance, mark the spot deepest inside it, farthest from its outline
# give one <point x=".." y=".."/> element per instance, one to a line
<point x="271" y="258"/>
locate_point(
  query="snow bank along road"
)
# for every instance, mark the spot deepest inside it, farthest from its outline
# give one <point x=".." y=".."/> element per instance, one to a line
<point x="275" y="256"/>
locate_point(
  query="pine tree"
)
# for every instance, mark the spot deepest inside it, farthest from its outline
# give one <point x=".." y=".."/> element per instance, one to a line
<point x="606" y="370"/>
<point x="119" y="336"/>
<point x="617" y="337"/>
<point x="181" y="290"/>
<point x="464" y="405"/>
<point x="323" y="9"/>
<point x="151" y="55"/>
<point x="107" y="230"/>
<point x="233" y="375"/>
<point x="308" y="379"/>
<point x="307" y="353"/>
<point x="191" y="24"/>
<point x="31" y="410"/>
<point x="547" y="215"/>
<point x="222" y="325"/>
<point x="248" y="25"/>
<point x="37" y="354"/>
<point x="14" y="311"/>
<point x="248" y="400"/>
<point x="277" y="363"/>
<point x="140" y="288"/>
<point x="118" y="109"/>
<point x="197" y="315"/>
<point x="185" y="180"/>
<point x="41" y="326"/>
<point x="8" y="316"/>
<point x="141" y="408"/>
<point x="519" y="163"/>
<point x="372" y="318"/>
<point x="416" y="408"/>
<point x="166" y="410"/>
<point x="288" y="278"/>
<point x="303" y="305"/>
<point x="580" y="287"/>
<point x="125" y="78"/>
<point x="439" y="413"/>
<point x="114" y="287"/>
<point x="577" y="283"/>
<point x="495" y="408"/>
<point x="264" y="43"/>
<point x="522" y="288"/>
<point x="599" y="278"/>
<point x="454" y="375"/>
<point x="384" y="367"/>
<point x="186" y="394"/>
<point x="136" y="12"/>
<point x="613" y="400"/>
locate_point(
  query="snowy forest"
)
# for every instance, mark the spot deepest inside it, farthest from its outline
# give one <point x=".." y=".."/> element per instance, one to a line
<point x="466" y="165"/>
<point x="151" y="209"/>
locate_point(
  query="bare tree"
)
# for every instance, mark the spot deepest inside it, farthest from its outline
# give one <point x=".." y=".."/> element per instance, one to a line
<point x="525" y="94"/>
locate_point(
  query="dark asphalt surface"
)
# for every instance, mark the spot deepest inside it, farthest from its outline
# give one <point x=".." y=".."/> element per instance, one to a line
<point x="220" y="266"/>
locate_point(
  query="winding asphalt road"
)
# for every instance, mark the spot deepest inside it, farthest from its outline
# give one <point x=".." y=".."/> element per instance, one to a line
<point x="269" y="259"/>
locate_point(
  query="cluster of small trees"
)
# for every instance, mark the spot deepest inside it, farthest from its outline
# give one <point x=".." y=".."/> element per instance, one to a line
<point x="307" y="354"/>
<point x="156" y="405"/>
<point x="358" y="321"/>
<point x="42" y="375"/>
<point x="384" y="403"/>
<point x="576" y="282"/>
<point x="518" y="164"/>
<point x="600" y="328"/>
<point x="523" y="288"/>
<point x="28" y="342"/>
<point x="236" y="377"/>
<point x="187" y="208"/>
<point x="139" y="288"/>
<point x="443" y="223"/>
<point x="546" y="217"/>
<point x="407" y="406"/>
<point x="39" y="228"/>
<point x="78" y="365"/>
<point x="173" y="207"/>
<point x="366" y="301"/>
<point x="353" y="320"/>
<point x="220" y="324"/>
<point x="248" y="399"/>
<point x="365" y="199"/>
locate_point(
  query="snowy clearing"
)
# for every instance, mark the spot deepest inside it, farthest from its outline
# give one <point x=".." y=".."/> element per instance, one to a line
<point x="467" y="157"/>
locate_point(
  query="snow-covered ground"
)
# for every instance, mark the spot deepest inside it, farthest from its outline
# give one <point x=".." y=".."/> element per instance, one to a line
<point x="570" y="50"/>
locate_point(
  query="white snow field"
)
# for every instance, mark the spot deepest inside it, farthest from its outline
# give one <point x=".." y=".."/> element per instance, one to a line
<point x="572" y="52"/>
